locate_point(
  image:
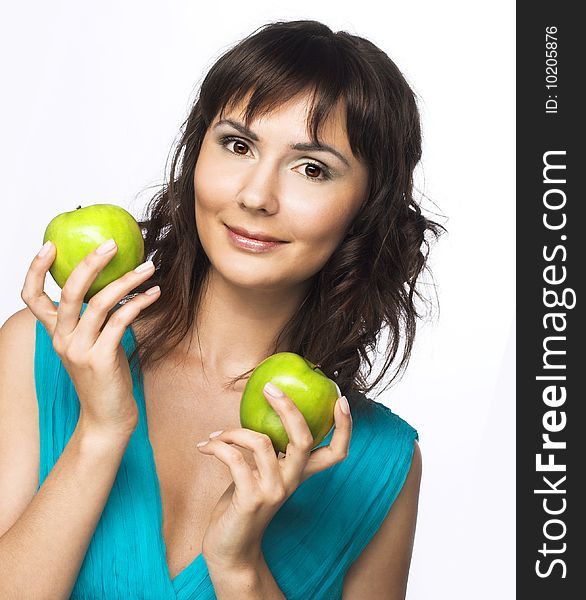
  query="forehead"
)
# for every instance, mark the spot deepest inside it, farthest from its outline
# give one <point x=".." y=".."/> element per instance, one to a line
<point x="292" y="117"/>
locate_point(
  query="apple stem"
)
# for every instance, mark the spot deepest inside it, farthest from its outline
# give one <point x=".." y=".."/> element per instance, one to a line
<point x="78" y="207"/>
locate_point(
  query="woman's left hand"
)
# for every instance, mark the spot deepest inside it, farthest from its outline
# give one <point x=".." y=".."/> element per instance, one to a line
<point x="233" y="537"/>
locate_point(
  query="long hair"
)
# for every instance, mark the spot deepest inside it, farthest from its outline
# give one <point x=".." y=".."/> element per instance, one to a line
<point x="369" y="282"/>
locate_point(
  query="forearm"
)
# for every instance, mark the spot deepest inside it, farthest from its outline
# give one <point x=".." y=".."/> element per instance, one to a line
<point x="254" y="583"/>
<point x="42" y="553"/>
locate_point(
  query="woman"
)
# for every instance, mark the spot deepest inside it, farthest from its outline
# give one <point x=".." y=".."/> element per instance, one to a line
<point x="302" y="136"/>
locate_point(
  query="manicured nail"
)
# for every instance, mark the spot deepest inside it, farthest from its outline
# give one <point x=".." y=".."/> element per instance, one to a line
<point x="155" y="289"/>
<point x="273" y="390"/>
<point x="144" y="267"/>
<point x="202" y="443"/>
<point x="45" y="249"/>
<point x="216" y="433"/>
<point x="106" y="247"/>
<point x="344" y="405"/>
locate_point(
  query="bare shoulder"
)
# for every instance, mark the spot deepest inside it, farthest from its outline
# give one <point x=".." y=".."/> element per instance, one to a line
<point x="382" y="569"/>
<point x="17" y="351"/>
<point x="22" y="320"/>
<point x="17" y="341"/>
<point x="19" y="431"/>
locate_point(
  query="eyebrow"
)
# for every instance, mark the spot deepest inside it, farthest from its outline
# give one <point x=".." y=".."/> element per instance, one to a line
<point x="306" y="146"/>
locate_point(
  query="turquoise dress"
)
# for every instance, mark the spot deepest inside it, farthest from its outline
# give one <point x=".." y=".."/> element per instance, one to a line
<point x="310" y="543"/>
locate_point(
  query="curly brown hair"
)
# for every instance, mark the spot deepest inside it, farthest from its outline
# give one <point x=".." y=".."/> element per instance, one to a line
<point x="369" y="281"/>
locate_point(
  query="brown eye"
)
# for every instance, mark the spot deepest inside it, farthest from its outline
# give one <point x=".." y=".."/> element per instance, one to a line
<point x="312" y="171"/>
<point x="240" y="147"/>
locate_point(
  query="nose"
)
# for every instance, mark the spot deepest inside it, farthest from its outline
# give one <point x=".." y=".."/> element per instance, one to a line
<point x="259" y="189"/>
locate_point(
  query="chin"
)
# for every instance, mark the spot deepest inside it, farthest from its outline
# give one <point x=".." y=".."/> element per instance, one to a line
<point x="250" y="276"/>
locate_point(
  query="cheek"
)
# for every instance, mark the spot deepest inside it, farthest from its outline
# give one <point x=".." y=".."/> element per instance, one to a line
<point x="211" y="187"/>
<point x="317" y="235"/>
<point x="209" y="192"/>
<point x="323" y="223"/>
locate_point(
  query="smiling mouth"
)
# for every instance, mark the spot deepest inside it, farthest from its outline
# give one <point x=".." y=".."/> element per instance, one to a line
<point x="252" y="244"/>
<point x="261" y="237"/>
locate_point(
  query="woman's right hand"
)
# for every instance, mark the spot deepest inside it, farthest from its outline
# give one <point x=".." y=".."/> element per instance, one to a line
<point x="90" y="347"/>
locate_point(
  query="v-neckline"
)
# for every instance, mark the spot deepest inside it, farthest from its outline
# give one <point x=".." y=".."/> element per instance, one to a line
<point x="139" y="381"/>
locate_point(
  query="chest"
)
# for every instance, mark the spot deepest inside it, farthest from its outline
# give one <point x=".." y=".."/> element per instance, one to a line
<point x="182" y="410"/>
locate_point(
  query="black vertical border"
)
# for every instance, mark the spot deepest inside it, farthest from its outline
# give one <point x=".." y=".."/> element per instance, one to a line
<point x="538" y="133"/>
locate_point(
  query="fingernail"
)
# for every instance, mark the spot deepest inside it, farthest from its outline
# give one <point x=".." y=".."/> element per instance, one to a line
<point x="155" y="289"/>
<point x="106" y="247"/>
<point x="144" y="267"/>
<point x="202" y="443"/>
<point x="45" y="249"/>
<point x="216" y="433"/>
<point x="273" y="390"/>
<point x="344" y="405"/>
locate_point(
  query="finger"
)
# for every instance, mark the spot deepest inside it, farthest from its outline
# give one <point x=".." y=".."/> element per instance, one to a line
<point x="244" y="480"/>
<point x="77" y="285"/>
<point x="111" y="335"/>
<point x="270" y="477"/>
<point x="300" y="436"/>
<point x="99" y="307"/>
<point x="33" y="293"/>
<point x="338" y="448"/>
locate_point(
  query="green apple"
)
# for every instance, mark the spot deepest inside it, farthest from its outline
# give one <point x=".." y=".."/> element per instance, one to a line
<point x="79" y="232"/>
<point x="311" y="391"/>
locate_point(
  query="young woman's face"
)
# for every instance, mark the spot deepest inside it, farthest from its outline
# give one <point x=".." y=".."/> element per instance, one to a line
<point x="263" y="181"/>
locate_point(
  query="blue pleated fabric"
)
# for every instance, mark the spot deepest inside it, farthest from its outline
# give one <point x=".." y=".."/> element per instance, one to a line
<point x="310" y="543"/>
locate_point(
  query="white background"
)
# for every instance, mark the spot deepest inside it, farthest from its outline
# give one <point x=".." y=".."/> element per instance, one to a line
<point x="93" y="98"/>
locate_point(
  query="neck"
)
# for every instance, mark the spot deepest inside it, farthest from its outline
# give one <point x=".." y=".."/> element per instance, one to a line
<point x="236" y="328"/>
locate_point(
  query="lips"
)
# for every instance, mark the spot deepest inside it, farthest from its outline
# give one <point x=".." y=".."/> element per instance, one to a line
<point x="259" y="236"/>
<point x="250" y="244"/>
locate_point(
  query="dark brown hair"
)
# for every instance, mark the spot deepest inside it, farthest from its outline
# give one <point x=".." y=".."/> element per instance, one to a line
<point x="368" y="284"/>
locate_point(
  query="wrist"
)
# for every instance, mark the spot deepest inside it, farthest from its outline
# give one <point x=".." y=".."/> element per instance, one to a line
<point x="243" y="567"/>
<point x="251" y="580"/>
<point x="98" y="437"/>
<point x="242" y="575"/>
<point x="235" y="582"/>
